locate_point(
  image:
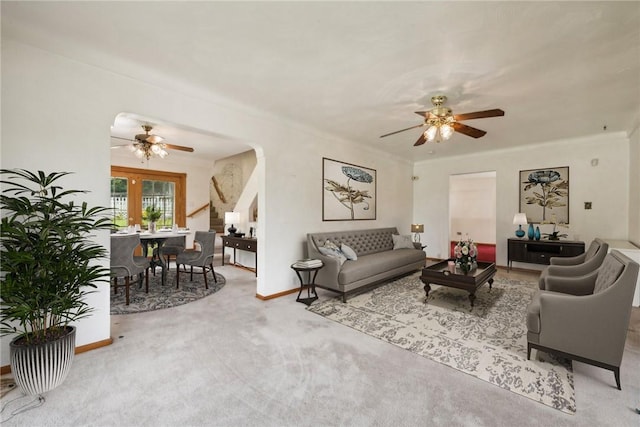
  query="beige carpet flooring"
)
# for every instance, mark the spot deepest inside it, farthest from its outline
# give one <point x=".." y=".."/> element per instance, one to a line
<point x="233" y="360"/>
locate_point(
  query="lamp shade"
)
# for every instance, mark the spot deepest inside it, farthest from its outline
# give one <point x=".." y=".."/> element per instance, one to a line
<point x="231" y="217"/>
<point x="520" y="218"/>
<point x="417" y="228"/>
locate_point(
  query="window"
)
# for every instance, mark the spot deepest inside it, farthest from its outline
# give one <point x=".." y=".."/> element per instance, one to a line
<point x="133" y="190"/>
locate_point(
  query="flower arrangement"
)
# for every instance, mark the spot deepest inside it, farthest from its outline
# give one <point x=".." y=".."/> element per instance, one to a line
<point x="466" y="253"/>
<point x="554" y="235"/>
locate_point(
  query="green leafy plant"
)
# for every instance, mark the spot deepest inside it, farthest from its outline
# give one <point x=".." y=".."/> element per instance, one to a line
<point x="48" y="255"/>
<point x="152" y="214"/>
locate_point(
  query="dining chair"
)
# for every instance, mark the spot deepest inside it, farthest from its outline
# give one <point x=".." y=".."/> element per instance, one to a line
<point x="202" y="257"/>
<point x="173" y="246"/>
<point x="125" y="264"/>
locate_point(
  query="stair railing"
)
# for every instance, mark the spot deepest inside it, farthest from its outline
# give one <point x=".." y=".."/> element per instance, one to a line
<point x="200" y="209"/>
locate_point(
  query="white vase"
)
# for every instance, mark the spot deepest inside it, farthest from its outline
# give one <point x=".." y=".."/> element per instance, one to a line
<point x="152" y="227"/>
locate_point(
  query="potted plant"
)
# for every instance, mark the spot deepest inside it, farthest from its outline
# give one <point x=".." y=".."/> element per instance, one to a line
<point x="151" y="214"/>
<point x="48" y="267"/>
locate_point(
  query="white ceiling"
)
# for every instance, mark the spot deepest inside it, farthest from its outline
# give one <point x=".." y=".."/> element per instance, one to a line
<point x="360" y="69"/>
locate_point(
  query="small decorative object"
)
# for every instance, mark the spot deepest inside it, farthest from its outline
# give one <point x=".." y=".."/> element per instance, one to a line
<point x="465" y="253"/>
<point x="537" y="233"/>
<point x="416" y="229"/>
<point x="555" y="234"/>
<point x="232" y="218"/>
<point x="48" y="267"/>
<point x="531" y="232"/>
<point x="152" y="214"/>
<point x="545" y="191"/>
<point x="353" y="199"/>
<point x="519" y="219"/>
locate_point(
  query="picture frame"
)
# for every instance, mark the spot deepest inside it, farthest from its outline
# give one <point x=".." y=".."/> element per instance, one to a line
<point x="544" y="194"/>
<point x="348" y="191"/>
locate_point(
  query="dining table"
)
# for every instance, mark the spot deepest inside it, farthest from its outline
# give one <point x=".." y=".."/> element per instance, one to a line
<point x="150" y="240"/>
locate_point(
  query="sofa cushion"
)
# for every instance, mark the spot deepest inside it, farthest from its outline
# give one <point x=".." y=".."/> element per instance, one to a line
<point x="372" y="264"/>
<point x="402" y="242"/>
<point x="330" y="249"/>
<point x="348" y="252"/>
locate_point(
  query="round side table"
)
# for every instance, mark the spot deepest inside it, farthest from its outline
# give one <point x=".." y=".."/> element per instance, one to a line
<point x="312" y="272"/>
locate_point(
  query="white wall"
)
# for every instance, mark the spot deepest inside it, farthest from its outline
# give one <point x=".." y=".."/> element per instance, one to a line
<point x="56" y="115"/>
<point x="634" y="187"/>
<point x="605" y="185"/>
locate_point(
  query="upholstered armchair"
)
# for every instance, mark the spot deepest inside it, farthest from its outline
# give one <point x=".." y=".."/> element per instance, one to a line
<point x="202" y="258"/>
<point x="575" y="266"/>
<point x="173" y="246"/>
<point x="125" y="264"/>
<point x="586" y="318"/>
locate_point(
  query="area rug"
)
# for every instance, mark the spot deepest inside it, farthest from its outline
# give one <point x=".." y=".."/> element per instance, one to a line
<point x="488" y="342"/>
<point x="166" y="296"/>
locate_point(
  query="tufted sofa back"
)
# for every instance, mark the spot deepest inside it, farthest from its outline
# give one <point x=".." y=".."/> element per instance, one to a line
<point x="362" y="241"/>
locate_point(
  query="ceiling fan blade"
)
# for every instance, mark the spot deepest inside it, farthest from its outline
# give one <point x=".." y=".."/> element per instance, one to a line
<point x="479" y="114"/>
<point x="124" y="139"/>
<point x="179" y="147"/>
<point x="424" y="114"/>
<point x="402" y="130"/>
<point x="420" y="140"/>
<point x="468" y="130"/>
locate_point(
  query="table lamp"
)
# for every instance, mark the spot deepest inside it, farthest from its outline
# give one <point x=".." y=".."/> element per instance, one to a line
<point x="231" y="218"/>
<point x="416" y="229"/>
<point x="519" y="219"/>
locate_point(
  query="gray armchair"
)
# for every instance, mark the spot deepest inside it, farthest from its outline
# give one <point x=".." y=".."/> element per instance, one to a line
<point x="575" y="266"/>
<point x="125" y="264"/>
<point x="202" y="258"/>
<point x="586" y="318"/>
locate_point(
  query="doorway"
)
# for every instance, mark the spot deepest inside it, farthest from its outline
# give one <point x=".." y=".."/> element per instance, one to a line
<point x="472" y="212"/>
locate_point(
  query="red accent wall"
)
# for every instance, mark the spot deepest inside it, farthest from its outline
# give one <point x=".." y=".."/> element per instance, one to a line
<point x="486" y="251"/>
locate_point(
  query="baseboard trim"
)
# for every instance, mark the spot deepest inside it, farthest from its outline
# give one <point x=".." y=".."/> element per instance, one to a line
<point x="81" y="349"/>
<point x="278" y="295"/>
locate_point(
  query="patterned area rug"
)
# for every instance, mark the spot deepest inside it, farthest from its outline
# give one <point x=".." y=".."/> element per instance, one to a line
<point x="488" y="342"/>
<point x="166" y="296"/>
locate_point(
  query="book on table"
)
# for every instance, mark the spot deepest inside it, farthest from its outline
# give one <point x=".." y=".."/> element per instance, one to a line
<point x="308" y="263"/>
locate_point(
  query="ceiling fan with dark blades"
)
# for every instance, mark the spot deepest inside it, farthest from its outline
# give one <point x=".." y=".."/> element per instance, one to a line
<point x="148" y="145"/>
<point x="441" y="122"/>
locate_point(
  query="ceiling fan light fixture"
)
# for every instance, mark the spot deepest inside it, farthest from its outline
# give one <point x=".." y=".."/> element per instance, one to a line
<point x="446" y="131"/>
<point x="430" y="133"/>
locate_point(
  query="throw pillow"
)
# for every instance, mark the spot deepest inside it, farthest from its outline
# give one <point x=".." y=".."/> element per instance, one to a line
<point x="348" y="252"/>
<point x="402" y="242"/>
<point x="331" y="250"/>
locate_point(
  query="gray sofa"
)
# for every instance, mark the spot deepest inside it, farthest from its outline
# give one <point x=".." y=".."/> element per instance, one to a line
<point x="376" y="262"/>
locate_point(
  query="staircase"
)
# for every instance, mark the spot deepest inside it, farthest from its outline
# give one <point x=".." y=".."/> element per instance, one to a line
<point x="215" y="222"/>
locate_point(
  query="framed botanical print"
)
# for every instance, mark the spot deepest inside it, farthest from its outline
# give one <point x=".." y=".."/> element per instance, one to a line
<point x="348" y="191"/>
<point x="544" y="195"/>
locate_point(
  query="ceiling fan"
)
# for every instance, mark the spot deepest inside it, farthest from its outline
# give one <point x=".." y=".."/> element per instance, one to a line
<point x="442" y="122"/>
<point x="147" y="145"/>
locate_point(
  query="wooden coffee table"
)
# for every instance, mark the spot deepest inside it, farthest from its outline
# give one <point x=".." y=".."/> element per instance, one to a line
<point x="444" y="274"/>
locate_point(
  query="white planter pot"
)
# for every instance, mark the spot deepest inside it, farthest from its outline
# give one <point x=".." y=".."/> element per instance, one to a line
<point x="39" y="368"/>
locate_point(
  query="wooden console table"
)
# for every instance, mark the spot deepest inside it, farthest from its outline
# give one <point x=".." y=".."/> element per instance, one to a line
<point x="241" y="243"/>
<point x="539" y="251"/>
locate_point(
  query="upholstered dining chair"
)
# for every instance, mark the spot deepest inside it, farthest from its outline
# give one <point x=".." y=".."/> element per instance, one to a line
<point x="202" y="257"/>
<point x="125" y="264"/>
<point x="171" y="247"/>
<point x="575" y="266"/>
<point x="586" y="318"/>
